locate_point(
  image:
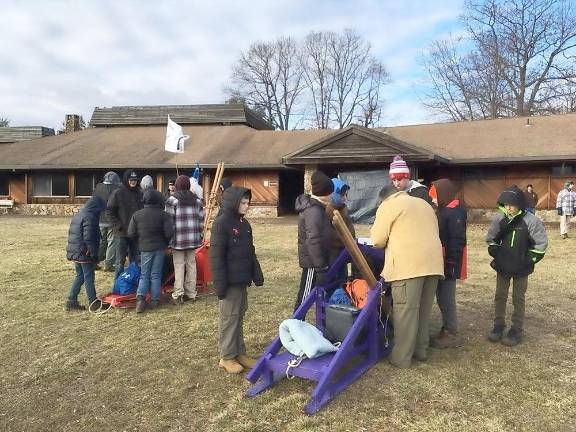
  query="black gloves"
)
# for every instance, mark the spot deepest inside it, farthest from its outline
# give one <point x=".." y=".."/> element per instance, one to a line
<point x="559" y="210"/>
<point x="259" y="282"/>
<point x="535" y="256"/>
<point x="493" y="250"/>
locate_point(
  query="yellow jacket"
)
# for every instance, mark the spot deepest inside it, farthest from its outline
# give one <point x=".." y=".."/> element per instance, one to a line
<point x="407" y="228"/>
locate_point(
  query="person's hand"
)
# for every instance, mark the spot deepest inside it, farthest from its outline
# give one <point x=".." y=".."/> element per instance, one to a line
<point x="535" y="256"/>
<point x="493" y="250"/>
<point x="559" y="210"/>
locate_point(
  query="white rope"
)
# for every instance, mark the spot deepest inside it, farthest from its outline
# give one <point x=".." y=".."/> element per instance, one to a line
<point x="100" y="310"/>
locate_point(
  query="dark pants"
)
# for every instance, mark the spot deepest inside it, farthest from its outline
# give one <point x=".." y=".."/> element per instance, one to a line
<point x="126" y="248"/>
<point x="152" y="264"/>
<point x="519" y="287"/>
<point x="307" y="282"/>
<point x="231" y="322"/>
<point x="84" y="276"/>
<point x="446" y="299"/>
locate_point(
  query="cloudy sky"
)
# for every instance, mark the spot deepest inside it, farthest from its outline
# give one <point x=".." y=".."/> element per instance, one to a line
<point x="59" y="57"/>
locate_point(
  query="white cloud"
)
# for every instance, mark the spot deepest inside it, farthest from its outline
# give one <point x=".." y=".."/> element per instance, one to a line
<point x="63" y="57"/>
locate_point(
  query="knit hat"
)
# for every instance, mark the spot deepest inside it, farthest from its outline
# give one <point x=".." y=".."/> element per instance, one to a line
<point x="513" y="196"/>
<point x="182" y="183"/>
<point x="321" y="184"/>
<point x="147" y="182"/>
<point x="398" y="169"/>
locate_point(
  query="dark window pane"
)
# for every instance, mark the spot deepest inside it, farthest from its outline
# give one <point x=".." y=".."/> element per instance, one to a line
<point x="84" y="184"/>
<point x="563" y="170"/>
<point x="41" y="185"/>
<point x="4" y="184"/>
<point x="59" y="184"/>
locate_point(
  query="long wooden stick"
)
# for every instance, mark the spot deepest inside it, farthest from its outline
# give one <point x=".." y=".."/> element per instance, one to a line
<point x="212" y="199"/>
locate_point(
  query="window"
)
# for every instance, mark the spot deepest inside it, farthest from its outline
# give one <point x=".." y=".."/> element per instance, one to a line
<point x="4" y="184"/>
<point x="50" y="185"/>
<point x="564" y="170"/>
<point x="85" y="183"/>
<point x="479" y="173"/>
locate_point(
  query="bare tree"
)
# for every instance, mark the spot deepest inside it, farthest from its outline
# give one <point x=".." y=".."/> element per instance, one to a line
<point x="371" y="107"/>
<point x="269" y="78"/>
<point x="4" y="122"/>
<point x="519" y="60"/>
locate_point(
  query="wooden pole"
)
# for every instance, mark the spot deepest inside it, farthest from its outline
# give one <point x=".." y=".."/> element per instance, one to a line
<point x="212" y="200"/>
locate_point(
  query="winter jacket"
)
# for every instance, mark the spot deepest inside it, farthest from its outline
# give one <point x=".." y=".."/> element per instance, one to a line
<point x="407" y="229"/>
<point x="122" y="204"/>
<point x="452" y="229"/>
<point x="104" y="190"/>
<point x="232" y="253"/>
<point x="418" y="190"/>
<point x="314" y="233"/>
<point x="531" y="199"/>
<point x="516" y="242"/>
<point x="566" y="202"/>
<point x="151" y="226"/>
<point x="188" y="216"/>
<point x="84" y="233"/>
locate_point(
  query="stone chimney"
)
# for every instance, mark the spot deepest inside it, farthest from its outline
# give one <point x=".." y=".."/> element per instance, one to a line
<point x="71" y="123"/>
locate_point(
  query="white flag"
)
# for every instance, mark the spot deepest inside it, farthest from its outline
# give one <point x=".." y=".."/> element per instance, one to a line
<point x="174" y="137"/>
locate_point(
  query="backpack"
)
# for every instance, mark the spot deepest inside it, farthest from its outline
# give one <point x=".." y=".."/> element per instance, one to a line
<point x="127" y="281"/>
<point x="358" y="292"/>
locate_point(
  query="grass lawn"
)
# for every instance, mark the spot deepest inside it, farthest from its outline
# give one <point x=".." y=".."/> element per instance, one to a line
<point x="158" y="371"/>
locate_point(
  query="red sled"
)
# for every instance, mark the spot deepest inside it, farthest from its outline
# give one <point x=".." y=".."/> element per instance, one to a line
<point x="203" y="285"/>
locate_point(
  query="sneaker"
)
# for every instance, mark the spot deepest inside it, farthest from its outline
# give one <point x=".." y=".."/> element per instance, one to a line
<point x="513" y="338"/>
<point x="446" y="339"/>
<point x="231" y="366"/>
<point x="178" y="300"/>
<point x="140" y="304"/>
<point x="246" y="361"/>
<point x="496" y="334"/>
<point x="187" y="298"/>
<point x="74" y="305"/>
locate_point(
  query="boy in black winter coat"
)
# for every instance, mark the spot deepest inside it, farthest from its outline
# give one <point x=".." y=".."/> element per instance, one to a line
<point x="82" y="249"/>
<point x="234" y="268"/>
<point x="452" y="229"/>
<point x="314" y="234"/>
<point x="152" y="228"/>
<point x="516" y="240"/>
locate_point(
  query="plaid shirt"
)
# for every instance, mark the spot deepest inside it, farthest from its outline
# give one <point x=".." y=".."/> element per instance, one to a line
<point x="567" y="201"/>
<point x="188" y="224"/>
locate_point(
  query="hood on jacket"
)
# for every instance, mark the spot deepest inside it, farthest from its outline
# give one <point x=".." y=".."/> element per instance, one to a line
<point x="94" y="205"/>
<point x="127" y="174"/>
<point x="337" y="197"/>
<point x="231" y="199"/>
<point x="304" y="201"/>
<point x="186" y="197"/>
<point x="112" y="178"/>
<point x="445" y="191"/>
<point x="513" y="196"/>
<point x="153" y="198"/>
<point x="146" y="182"/>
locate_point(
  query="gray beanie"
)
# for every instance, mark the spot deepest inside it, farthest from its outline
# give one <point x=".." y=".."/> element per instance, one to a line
<point x="146" y="182"/>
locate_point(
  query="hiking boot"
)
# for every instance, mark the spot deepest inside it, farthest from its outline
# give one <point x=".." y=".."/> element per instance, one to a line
<point x="246" y="361"/>
<point x="496" y="334"/>
<point x="140" y="304"/>
<point x="422" y="357"/>
<point x="178" y="300"/>
<point x="231" y="366"/>
<point x="153" y="304"/>
<point x="564" y="236"/>
<point x="445" y="339"/>
<point x="74" y="305"/>
<point x="187" y="298"/>
<point x="108" y="269"/>
<point x="513" y="338"/>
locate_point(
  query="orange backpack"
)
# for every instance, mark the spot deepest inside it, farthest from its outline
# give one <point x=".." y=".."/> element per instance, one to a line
<point x="358" y="292"/>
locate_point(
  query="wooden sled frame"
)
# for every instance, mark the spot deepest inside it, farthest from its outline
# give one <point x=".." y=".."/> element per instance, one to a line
<point x="333" y="372"/>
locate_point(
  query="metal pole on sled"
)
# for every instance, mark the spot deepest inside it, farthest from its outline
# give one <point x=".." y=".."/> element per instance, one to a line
<point x="333" y="372"/>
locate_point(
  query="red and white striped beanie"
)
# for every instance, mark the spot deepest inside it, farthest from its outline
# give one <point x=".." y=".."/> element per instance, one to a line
<point x="398" y="168"/>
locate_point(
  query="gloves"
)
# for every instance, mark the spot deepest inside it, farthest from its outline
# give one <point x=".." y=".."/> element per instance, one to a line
<point x="559" y="210"/>
<point x="493" y="250"/>
<point x="259" y="282"/>
<point x="535" y="256"/>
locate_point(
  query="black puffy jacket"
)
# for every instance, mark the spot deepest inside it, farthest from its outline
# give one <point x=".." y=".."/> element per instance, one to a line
<point x="314" y="233"/>
<point x="232" y="254"/>
<point x="151" y="226"/>
<point x="123" y="203"/>
<point x="84" y="232"/>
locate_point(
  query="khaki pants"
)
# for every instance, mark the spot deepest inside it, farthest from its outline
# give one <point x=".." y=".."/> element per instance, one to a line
<point x="565" y="224"/>
<point x="413" y="299"/>
<point x="184" y="273"/>
<point x="231" y="322"/>
<point x="519" y="287"/>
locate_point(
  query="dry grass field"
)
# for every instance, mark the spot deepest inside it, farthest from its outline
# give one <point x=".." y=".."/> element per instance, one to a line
<point x="158" y="371"/>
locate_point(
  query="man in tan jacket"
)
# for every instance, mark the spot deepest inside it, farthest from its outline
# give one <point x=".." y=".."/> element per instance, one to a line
<point x="407" y="228"/>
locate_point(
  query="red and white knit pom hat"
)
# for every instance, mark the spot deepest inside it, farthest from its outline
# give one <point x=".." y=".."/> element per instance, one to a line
<point x="398" y="168"/>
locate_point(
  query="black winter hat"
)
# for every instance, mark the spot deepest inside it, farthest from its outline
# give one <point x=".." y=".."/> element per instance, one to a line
<point x="513" y="196"/>
<point x="321" y="184"/>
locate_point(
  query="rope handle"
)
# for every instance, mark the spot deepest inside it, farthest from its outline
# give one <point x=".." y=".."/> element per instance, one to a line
<point x="100" y="310"/>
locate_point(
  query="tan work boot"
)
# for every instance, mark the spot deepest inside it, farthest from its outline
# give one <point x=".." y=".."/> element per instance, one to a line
<point x="247" y="362"/>
<point x="446" y="339"/>
<point x="231" y="366"/>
